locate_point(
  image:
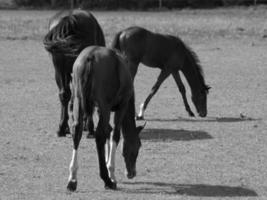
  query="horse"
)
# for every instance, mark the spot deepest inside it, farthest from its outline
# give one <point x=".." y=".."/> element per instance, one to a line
<point x="69" y="33"/>
<point x="101" y="79"/>
<point x="171" y="55"/>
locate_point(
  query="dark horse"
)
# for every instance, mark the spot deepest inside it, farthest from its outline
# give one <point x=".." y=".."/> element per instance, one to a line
<point x="69" y="33"/>
<point x="170" y="55"/>
<point x="101" y="78"/>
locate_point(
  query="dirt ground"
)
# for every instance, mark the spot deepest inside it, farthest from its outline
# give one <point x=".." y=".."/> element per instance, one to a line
<point x="222" y="156"/>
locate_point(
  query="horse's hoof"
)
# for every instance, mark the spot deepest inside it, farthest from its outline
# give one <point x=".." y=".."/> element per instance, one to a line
<point x="131" y="175"/>
<point x="191" y="114"/>
<point x="85" y="128"/>
<point x="67" y="131"/>
<point x="72" y="186"/>
<point x="90" y="135"/>
<point x="63" y="132"/>
<point x="139" y="117"/>
<point x="111" y="186"/>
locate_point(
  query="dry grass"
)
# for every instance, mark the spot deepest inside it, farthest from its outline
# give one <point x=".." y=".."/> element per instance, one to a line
<point x="200" y="24"/>
<point x="220" y="157"/>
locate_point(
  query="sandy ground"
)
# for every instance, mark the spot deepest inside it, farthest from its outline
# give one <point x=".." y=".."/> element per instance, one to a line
<point x="220" y="157"/>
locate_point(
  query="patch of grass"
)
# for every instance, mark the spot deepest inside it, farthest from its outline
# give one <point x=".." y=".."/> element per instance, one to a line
<point x="206" y="24"/>
<point x="218" y="157"/>
<point x="23" y="24"/>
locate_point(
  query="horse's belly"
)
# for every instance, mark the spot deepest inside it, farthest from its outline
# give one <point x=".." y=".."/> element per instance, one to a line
<point x="151" y="62"/>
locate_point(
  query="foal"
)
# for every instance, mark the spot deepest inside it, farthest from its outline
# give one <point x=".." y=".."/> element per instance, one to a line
<point x="170" y="55"/>
<point x="101" y="78"/>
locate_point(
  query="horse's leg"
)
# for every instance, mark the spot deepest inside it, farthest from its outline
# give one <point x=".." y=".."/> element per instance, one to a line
<point x="107" y="145"/>
<point x="63" y="82"/>
<point x="115" y="138"/>
<point x="133" y="65"/>
<point x="70" y="106"/>
<point x="107" y="149"/>
<point x="90" y="126"/>
<point x="77" y="129"/>
<point x="162" y="76"/>
<point x="102" y="133"/>
<point x="181" y="87"/>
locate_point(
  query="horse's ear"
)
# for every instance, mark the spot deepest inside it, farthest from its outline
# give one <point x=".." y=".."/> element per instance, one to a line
<point x="140" y="128"/>
<point x="208" y="88"/>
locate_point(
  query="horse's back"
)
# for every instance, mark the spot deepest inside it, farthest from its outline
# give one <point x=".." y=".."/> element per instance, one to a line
<point x="142" y="45"/>
<point x="87" y="22"/>
<point x="111" y="71"/>
<point x="133" y="42"/>
<point x="71" y="31"/>
<point x="67" y="13"/>
<point x="102" y="58"/>
<point x="110" y="80"/>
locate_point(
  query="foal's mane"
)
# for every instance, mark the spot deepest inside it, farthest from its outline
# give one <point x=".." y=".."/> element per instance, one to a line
<point x="192" y="57"/>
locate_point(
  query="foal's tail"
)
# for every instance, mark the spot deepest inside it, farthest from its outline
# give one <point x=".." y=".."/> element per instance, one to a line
<point x="116" y="42"/>
<point x="85" y="86"/>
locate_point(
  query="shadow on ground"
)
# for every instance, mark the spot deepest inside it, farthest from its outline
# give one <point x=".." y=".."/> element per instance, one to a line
<point x="172" y="134"/>
<point x="189" y="189"/>
<point x="207" y="119"/>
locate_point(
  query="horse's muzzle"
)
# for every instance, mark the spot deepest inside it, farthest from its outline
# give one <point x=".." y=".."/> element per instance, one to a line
<point x="131" y="174"/>
<point x="203" y="114"/>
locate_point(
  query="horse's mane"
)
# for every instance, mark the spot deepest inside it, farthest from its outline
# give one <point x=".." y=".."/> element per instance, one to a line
<point x="193" y="59"/>
<point x="58" y="16"/>
<point x="66" y="37"/>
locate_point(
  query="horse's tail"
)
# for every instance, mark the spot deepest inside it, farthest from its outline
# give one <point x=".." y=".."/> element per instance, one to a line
<point x="64" y="38"/>
<point x="85" y="86"/>
<point x="73" y="33"/>
<point x="116" y="42"/>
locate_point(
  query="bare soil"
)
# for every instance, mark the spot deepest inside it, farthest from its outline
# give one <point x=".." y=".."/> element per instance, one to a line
<point x="222" y="156"/>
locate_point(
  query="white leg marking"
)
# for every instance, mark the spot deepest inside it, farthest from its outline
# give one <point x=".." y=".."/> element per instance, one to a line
<point x="111" y="161"/>
<point x="141" y="112"/>
<point x="73" y="166"/>
<point x="107" y="150"/>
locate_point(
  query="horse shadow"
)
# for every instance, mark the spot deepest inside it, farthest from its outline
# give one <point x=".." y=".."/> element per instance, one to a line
<point x="173" y="135"/>
<point x="207" y="119"/>
<point x="200" y="190"/>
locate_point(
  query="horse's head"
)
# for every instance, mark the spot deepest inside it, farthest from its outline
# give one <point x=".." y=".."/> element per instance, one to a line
<point x="130" y="152"/>
<point x="200" y="100"/>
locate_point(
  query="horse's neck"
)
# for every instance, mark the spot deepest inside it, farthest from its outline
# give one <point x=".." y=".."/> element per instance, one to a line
<point x="192" y="76"/>
<point x="129" y="124"/>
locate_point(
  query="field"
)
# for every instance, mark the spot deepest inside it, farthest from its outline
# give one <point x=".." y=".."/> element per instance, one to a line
<point x="222" y="156"/>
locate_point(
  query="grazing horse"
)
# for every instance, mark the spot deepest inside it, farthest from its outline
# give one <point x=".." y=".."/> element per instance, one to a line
<point x="101" y="78"/>
<point x="170" y="55"/>
<point x="69" y="33"/>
